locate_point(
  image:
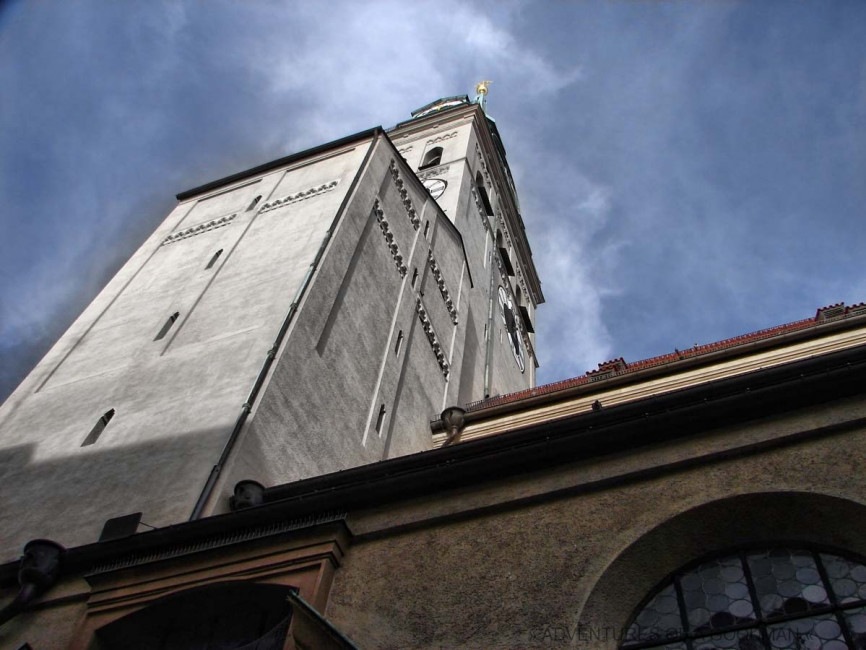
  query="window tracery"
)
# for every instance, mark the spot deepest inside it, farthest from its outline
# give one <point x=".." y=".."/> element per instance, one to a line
<point x="776" y="598"/>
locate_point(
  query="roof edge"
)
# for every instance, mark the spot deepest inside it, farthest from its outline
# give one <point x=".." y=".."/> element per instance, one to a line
<point x="306" y="153"/>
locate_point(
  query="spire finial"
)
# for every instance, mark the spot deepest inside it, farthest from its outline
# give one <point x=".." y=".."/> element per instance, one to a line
<point x="481" y="94"/>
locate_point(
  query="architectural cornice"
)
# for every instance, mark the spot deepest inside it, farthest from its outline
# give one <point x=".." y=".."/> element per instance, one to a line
<point x="279" y="162"/>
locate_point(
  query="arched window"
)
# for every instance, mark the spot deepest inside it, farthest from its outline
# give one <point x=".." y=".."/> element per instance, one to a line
<point x="770" y="598"/>
<point x="432" y="158"/>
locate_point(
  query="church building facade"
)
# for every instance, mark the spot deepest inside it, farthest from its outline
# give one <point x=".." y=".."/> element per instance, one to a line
<point x="392" y="476"/>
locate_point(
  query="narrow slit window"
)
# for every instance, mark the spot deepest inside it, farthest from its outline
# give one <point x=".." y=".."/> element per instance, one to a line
<point x="213" y="259"/>
<point x="255" y="202"/>
<point x="426" y="229"/>
<point x="380" y="419"/>
<point x="167" y="326"/>
<point x="432" y="158"/>
<point x="399" y="343"/>
<point x="97" y="430"/>
<point x="414" y="277"/>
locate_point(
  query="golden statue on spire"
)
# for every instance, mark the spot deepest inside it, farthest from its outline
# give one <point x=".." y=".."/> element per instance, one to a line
<point x="481" y="94"/>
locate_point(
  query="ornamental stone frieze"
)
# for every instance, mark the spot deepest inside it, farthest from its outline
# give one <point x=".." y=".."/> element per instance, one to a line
<point x="199" y="229"/>
<point x="441" y="138"/>
<point x="481" y="212"/>
<point x="389" y="238"/>
<point x="427" y="326"/>
<point x="299" y="196"/>
<point x="440" y="282"/>
<point x="435" y="171"/>
<point x="404" y="196"/>
<point x="483" y="165"/>
<point x="505" y="234"/>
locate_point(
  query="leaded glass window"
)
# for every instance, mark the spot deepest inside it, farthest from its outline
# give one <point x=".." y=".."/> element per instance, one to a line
<point x="767" y="599"/>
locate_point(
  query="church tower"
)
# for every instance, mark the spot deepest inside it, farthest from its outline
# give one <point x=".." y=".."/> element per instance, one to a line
<point x="302" y="317"/>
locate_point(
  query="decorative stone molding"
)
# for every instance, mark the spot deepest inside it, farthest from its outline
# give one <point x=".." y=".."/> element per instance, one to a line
<point x="389" y="238"/>
<point x="404" y="195"/>
<point x="215" y="541"/>
<point x="522" y="282"/>
<point x="199" y="229"/>
<point x="299" y="196"/>
<point x="434" y="171"/>
<point x="481" y="212"/>
<point x="427" y="326"/>
<point x="440" y="282"/>
<point x="505" y="234"/>
<point x="405" y="149"/>
<point x="483" y="165"/>
<point x="447" y="136"/>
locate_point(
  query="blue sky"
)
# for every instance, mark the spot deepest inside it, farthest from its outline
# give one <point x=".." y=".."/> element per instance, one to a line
<point x="687" y="171"/>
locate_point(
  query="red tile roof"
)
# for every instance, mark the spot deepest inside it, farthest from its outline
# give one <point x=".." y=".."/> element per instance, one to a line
<point x="618" y="367"/>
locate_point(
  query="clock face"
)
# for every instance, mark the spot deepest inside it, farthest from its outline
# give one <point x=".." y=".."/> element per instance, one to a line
<point x="506" y="310"/>
<point x="435" y="186"/>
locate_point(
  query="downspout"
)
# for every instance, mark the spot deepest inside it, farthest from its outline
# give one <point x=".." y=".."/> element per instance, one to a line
<point x="272" y="353"/>
<point x="40" y="566"/>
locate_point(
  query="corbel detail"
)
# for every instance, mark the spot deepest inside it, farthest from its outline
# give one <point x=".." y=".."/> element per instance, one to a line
<point x="435" y="171"/>
<point x="404" y="195"/>
<point x="427" y="326"/>
<point x="299" y="196"/>
<point x="199" y="229"/>
<point x="483" y="165"/>
<point x="481" y="211"/>
<point x="440" y="281"/>
<point x="447" y="136"/>
<point x="389" y="239"/>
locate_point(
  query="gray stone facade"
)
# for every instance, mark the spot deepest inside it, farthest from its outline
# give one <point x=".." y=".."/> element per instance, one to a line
<point x="298" y="319"/>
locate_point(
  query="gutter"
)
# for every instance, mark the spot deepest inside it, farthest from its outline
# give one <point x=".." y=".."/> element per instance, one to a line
<point x="260" y="169"/>
<point x="475" y="413"/>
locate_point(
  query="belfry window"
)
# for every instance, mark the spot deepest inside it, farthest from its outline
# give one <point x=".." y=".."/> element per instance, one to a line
<point x="772" y="598"/>
<point x="432" y="158"/>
